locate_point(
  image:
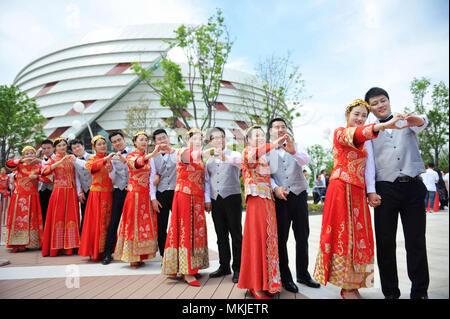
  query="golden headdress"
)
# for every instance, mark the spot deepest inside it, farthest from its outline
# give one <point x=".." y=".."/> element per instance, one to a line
<point x="358" y="102"/>
<point x="252" y="127"/>
<point x="96" y="138"/>
<point x="59" y="139"/>
<point x="140" y="133"/>
<point x="28" y="148"/>
<point x="194" y="130"/>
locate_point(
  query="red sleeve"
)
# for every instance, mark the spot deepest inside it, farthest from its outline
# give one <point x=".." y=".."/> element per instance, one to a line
<point x="364" y="133"/>
<point x="12" y="163"/>
<point x="94" y="165"/>
<point x="46" y="170"/>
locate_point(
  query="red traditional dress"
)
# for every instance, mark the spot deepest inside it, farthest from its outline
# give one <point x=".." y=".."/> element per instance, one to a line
<point x="186" y="250"/>
<point x="4" y="193"/>
<point x="24" y="218"/>
<point x="346" y="252"/>
<point x="137" y="237"/>
<point x="61" y="232"/>
<point x="98" y="209"/>
<point x="259" y="259"/>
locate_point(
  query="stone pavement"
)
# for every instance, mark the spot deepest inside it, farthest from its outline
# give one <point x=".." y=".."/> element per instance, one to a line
<point x="29" y="275"/>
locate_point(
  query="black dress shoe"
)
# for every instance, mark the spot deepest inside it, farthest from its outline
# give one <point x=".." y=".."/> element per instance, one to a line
<point x="219" y="273"/>
<point x="106" y="260"/>
<point x="235" y="278"/>
<point x="309" y="282"/>
<point x="421" y="297"/>
<point x="290" y="286"/>
<point x="390" y="297"/>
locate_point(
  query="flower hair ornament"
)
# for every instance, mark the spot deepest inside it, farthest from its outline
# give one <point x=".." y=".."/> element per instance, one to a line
<point x="358" y="102"/>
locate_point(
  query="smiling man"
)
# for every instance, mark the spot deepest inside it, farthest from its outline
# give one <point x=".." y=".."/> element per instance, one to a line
<point x="289" y="187"/>
<point x="395" y="187"/>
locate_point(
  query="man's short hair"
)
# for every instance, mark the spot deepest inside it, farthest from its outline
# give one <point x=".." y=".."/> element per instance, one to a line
<point x="430" y="164"/>
<point x="158" y="131"/>
<point x="277" y="119"/>
<point x="75" y="141"/>
<point x="215" y="129"/>
<point x="47" y="141"/>
<point x="114" y="134"/>
<point x="375" y="91"/>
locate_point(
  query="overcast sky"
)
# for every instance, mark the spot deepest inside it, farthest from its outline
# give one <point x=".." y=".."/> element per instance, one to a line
<point x="343" y="47"/>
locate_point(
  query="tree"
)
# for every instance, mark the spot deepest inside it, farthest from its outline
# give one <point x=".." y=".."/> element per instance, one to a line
<point x="434" y="138"/>
<point x="170" y="88"/>
<point x="21" y="122"/>
<point x="206" y="48"/>
<point x="282" y="89"/>
<point x="320" y="158"/>
<point x="139" y="118"/>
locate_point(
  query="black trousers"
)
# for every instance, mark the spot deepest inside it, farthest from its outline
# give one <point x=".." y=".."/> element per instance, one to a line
<point x="408" y="200"/>
<point x="116" y="213"/>
<point x="295" y="211"/>
<point x="83" y="209"/>
<point x="165" y="199"/>
<point x="44" y="198"/>
<point x="227" y="218"/>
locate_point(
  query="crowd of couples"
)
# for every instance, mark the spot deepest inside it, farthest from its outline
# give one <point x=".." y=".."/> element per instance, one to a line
<point x="135" y="203"/>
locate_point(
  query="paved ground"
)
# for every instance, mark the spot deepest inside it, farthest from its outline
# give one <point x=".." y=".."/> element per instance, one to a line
<point x="29" y="275"/>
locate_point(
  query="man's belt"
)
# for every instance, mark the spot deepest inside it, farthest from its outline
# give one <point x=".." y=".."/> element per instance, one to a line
<point x="407" y="179"/>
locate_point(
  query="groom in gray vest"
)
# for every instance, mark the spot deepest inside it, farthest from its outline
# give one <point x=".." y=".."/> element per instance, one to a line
<point x="222" y="171"/>
<point x="163" y="177"/>
<point x="396" y="187"/>
<point x="290" y="188"/>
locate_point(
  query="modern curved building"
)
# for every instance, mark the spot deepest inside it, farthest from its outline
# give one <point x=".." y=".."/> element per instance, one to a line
<point x="95" y="69"/>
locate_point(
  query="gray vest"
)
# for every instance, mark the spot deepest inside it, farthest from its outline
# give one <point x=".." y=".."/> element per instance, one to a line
<point x="286" y="172"/>
<point x="167" y="171"/>
<point x="44" y="186"/>
<point x="83" y="173"/>
<point x="396" y="154"/>
<point x="224" y="178"/>
<point x="122" y="175"/>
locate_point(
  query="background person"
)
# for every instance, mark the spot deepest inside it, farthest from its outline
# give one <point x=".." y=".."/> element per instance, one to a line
<point x="120" y="183"/>
<point x="98" y="206"/>
<point x="24" y="218"/>
<point x="163" y="177"/>
<point x="83" y="175"/>
<point x="62" y="230"/>
<point x="222" y="170"/>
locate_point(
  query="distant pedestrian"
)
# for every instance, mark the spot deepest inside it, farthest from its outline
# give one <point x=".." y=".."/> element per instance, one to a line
<point x="430" y="179"/>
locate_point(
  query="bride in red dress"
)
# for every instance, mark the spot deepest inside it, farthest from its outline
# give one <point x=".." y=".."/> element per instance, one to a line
<point x="24" y="223"/>
<point x="98" y="206"/>
<point x="186" y="250"/>
<point x="61" y="231"/>
<point x="260" y="272"/>
<point x="138" y="232"/>
<point x="346" y="252"/>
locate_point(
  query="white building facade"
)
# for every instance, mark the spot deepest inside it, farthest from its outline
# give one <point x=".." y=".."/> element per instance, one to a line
<point x="95" y="69"/>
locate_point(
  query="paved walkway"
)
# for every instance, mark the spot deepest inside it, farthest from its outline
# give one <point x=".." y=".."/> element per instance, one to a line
<point x="29" y="275"/>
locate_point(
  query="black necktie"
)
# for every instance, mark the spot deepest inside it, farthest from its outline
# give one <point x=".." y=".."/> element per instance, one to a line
<point x="387" y="119"/>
